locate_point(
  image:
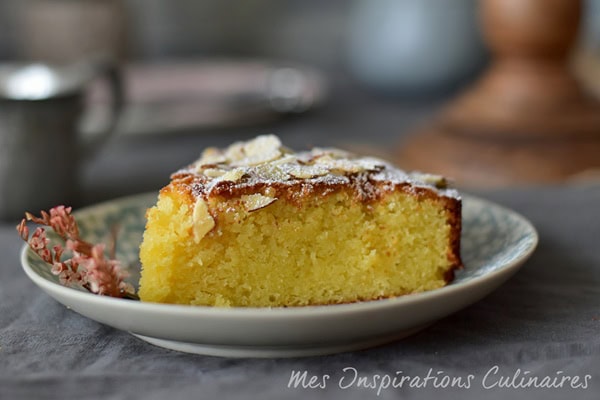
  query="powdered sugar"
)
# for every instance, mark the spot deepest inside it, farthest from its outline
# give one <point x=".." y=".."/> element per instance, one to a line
<point x="263" y="161"/>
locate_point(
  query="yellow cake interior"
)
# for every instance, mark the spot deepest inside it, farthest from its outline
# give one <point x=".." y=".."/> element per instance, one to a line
<point x="331" y="249"/>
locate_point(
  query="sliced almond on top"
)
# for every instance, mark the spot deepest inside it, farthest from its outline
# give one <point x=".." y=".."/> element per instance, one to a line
<point x="271" y="172"/>
<point x="260" y="158"/>
<point x="438" y="181"/>
<point x="344" y="166"/>
<point x="330" y="152"/>
<point x="371" y="164"/>
<point x="235" y="152"/>
<point x="262" y="144"/>
<point x="350" y="166"/>
<point x="203" y="222"/>
<point x="285" y="159"/>
<point x="307" y="171"/>
<point x="253" y="202"/>
<point x="261" y="150"/>
<point x="213" y="172"/>
<point x="234" y="175"/>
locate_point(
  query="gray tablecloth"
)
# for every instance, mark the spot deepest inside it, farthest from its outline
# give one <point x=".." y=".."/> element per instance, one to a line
<point x="545" y="321"/>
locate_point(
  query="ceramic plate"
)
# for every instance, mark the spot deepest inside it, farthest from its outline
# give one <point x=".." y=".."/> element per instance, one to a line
<point x="495" y="243"/>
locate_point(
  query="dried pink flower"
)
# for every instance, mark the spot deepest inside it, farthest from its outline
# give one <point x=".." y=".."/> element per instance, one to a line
<point x="60" y="220"/>
<point x="79" y="246"/>
<point x="63" y="223"/>
<point x="58" y="267"/>
<point x="58" y="251"/>
<point x="38" y="240"/>
<point x="104" y="275"/>
<point x="23" y="230"/>
<point x="88" y="267"/>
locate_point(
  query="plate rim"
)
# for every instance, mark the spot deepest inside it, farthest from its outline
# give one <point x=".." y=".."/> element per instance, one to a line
<point x="196" y="311"/>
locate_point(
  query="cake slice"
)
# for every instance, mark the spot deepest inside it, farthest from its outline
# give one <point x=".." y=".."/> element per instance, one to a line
<point x="256" y="225"/>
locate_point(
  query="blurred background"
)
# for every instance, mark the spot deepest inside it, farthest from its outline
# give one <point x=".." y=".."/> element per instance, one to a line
<point x="363" y="75"/>
<point x="154" y="30"/>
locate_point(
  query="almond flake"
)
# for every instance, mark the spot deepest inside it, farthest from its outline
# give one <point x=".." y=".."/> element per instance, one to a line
<point x="330" y="152"/>
<point x="307" y="171"/>
<point x="371" y="164"/>
<point x="234" y="175"/>
<point x="271" y="172"/>
<point x="203" y="222"/>
<point x="235" y="152"/>
<point x="253" y="202"/>
<point x="261" y="145"/>
<point x="431" y="179"/>
<point x="213" y="172"/>
<point x="344" y="166"/>
<point x="258" y="159"/>
<point x="261" y="150"/>
<point x="285" y="159"/>
<point x="350" y="166"/>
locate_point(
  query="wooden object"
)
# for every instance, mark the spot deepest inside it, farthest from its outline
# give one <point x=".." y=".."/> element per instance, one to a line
<point x="526" y="119"/>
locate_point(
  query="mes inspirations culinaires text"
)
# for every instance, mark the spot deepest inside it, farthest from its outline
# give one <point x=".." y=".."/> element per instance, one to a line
<point x="493" y="378"/>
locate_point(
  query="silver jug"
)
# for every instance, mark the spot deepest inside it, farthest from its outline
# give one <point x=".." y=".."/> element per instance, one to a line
<point x="41" y="144"/>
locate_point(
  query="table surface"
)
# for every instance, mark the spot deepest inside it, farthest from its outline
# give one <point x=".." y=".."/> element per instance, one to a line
<point x="545" y="321"/>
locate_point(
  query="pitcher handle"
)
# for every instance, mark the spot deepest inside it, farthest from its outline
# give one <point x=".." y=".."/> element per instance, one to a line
<point x="110" y="74"/>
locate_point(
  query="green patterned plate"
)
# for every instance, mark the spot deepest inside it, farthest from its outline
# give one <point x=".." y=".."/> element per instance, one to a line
<point x="495" y="243"/>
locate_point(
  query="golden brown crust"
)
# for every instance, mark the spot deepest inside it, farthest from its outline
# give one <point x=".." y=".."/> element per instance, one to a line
<point x="366" y="188"/>
<point x="249" y="167"/>
<point x="454" y="208"/>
